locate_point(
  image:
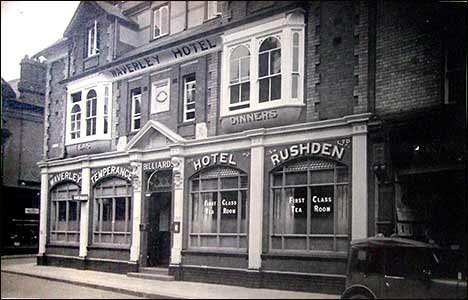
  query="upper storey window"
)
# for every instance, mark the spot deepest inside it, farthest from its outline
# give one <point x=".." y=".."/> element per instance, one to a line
<point x="212" y="9"/>
<point x="239" y="78"/>
<point x="269" y="70"/>
<point x="93" y="40"/>
<point x="89" y="104"/>
<point x="160" y="21"/>
<point x="263" y="65"/>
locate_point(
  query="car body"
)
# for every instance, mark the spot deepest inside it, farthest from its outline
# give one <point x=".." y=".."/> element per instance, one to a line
<point x="400" y="268"/>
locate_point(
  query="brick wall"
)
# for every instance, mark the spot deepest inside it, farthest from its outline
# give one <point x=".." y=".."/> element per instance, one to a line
<point x="56" y="110"/>
<point x="407" y="59"/>
<point x="32" y="82"/>
<point x="312" y="57"/>
<point x="212" y="85"/>
<point x="80" y="61"/>
<point x="361" y="56"/>
<point x="337" y="59"/>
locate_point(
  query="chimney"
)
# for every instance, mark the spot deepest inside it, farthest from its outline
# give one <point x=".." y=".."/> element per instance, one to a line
<point x="32" y="82"/>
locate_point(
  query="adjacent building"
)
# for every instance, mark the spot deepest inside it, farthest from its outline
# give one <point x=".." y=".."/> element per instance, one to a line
<point x="248" y="142"/>
<point x="22" y="131"/>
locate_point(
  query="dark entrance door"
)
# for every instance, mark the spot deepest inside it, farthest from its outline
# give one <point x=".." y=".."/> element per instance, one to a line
<point x="159" y="235"/>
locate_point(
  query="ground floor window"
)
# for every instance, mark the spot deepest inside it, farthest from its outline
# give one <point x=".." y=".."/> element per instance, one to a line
<point x="64" y="213"/>
<point x="112" y="212"/>
<point x="219" y="208"/>
<point x="309" y="206"/>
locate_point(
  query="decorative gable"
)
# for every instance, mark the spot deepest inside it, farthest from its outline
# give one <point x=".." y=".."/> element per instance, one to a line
<point x="154" y="135"/>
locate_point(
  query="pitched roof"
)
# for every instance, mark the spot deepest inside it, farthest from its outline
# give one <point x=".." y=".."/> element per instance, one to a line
<point x="103" y="6"/>
<point x="8" y="92"/>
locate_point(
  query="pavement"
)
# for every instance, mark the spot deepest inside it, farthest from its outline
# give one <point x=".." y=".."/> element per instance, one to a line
<point x="146" y="288"/>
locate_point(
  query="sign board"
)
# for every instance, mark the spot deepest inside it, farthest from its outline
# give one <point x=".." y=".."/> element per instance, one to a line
<point x="31" y="211"/>
<point x="72" y="176"/>
<point x="165" y="57"/>
<point x="119" y="171"/>
<point x="158" y="165"/>
<point x="80" y="197"/>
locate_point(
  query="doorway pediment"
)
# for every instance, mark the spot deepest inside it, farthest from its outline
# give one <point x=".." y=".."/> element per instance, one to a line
<point x="154" y="135"/>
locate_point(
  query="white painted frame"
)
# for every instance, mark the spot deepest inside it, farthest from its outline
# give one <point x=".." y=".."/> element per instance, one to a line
<point x="97" y="82"/>
<point x="281" y="26"/>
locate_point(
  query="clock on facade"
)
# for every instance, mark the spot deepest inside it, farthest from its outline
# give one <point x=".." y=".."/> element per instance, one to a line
<point x="161" y="97"/>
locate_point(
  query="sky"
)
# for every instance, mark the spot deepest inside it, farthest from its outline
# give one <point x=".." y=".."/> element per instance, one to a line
<point x="28" y="27"/>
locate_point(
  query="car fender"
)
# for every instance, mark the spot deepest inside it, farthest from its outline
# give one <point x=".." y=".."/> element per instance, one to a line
<point x="356" y="288"/>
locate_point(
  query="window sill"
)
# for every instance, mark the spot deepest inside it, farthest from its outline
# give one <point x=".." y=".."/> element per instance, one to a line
<point x="153" y="39"/>
<point x="306" y="255"/>
<point x="212" y="18"/>
<point x="109" y="246"/>
<point x="217" y="252"/>
<point x="267" y="106"/>
<point x="64" y="244"/>
<point x="91" y="56"/>
<point x="88" y="140"/>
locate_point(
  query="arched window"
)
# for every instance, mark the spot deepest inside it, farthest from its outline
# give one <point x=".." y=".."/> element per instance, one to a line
<point x="75" y="121"/>
<point x="310" y="206"/>
<point x="239" y="78"/>
<point x="112" y="212"/>
<point x="64" y="213"/>
<point x="91" y="111"/>
<point x="269" y="70"/>
<point x="218" y="208"/>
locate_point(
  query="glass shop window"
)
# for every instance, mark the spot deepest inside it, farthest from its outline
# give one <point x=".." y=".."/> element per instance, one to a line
<point x="309" y="200"/>
<point x="64" y="214"/>
<point x="218" y="209"/>
<point x="112" y="212"/>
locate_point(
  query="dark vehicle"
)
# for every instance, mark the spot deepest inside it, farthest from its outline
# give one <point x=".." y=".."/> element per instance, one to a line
<point x="393" y="267"/>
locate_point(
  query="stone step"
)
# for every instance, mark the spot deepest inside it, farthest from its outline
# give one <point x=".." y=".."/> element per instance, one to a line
<point x="154" y="270"/>
<point x="151" y="276"/>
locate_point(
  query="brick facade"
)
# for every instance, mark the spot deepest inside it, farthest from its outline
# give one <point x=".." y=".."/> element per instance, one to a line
<point x="369" y="67"/>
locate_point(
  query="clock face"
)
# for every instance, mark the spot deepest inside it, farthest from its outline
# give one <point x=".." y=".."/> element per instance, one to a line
<point x="161" y="97"/>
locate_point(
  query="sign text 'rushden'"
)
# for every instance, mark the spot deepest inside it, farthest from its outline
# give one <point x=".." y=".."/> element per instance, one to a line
<point x="315" y="148"/>
<point x="163" y="57"/>
<point x="112" y="171"/>
<point x="214" y="158"/>
<point x="65" y="176"/>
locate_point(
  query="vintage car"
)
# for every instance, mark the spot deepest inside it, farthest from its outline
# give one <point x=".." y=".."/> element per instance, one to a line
<point x="394" y="267"/>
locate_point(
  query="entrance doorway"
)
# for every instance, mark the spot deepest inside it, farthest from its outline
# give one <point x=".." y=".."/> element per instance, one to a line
<point x="159" y="235"/>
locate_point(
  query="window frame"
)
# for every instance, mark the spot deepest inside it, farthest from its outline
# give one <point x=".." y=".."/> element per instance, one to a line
<point x="71" y="189"/>
<point x="97" y="234"/>
<point x="92" y="35"/>
<point x="241" y="80"/>
<point x="212" y="14"/>
<point x="99" y="83"/>
<point x="309" y="185"/>
<point x="75" y="121"/>
<point x="281" y="26"/>
<point x="159" y="9"/>
<point x="186" y="110"/>
<point x="135" y="116"/>
<point x="89" y="116"/>
<point x="219" y="190"/>
<point x="270" y="75"/>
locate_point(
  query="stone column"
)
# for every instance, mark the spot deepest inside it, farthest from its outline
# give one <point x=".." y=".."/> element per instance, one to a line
<point x="256" y="202"/>
<point x="84" y="216"/>
<point x="178" y="179"/>
<point x="137" y="176"/>
<point x="43" y="210"/>
<point x="359" y="183"/>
